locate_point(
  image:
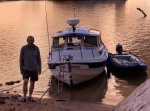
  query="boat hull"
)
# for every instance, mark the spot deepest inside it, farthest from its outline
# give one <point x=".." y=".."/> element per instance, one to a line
<point x="79" y="73"/>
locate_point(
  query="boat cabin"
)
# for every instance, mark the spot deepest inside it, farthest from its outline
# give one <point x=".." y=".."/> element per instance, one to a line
<point x="81" y="42"/>
<point x="75" y="42"/>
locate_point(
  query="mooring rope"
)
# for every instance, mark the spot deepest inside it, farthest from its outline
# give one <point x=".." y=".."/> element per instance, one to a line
<point x="10" y="88"/>
<point x="38" y="100"/>
<point x="43" y="93"/>
<point x="22" y="83"/>
<point x="41" y="96"/>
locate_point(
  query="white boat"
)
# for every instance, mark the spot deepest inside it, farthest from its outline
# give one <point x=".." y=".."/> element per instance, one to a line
<point x="77" y="54"/>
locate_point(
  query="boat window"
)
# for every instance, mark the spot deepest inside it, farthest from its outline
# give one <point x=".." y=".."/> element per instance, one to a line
<point x="100" y="41"/>
<point x="58" y="42"/>
<point x="90" y="42"/>
<point x="73" y="41"/>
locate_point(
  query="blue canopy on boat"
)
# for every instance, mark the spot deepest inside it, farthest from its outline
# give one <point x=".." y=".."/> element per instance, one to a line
<point x="81" y="32"/>
<point x="75" y="34"/>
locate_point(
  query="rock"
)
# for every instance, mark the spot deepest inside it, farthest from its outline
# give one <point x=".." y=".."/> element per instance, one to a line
<point x="18" y="104"/>
<point x="4" y="97"/>
<point x="2" y="101"/>
<point x="1" y="84"/>
<point x="14" y="96"/>
<point x="10" y="83"/>
<point x="138" y="100"/>
<point x="17" y="81"/>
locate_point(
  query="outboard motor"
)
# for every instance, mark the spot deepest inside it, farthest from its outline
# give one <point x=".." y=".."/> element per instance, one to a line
<point x="119" y="48"/>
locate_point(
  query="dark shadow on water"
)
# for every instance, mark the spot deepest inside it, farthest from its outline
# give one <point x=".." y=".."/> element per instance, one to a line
<point x="93" y="90"/>
<point x="133" y="78"/>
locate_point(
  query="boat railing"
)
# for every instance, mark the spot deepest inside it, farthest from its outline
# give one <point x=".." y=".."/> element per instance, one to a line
<point x="90" y="46"/>
<point x="73" y="46"/>
<point x="60" y="47"/>
<point x="57" y="47"/>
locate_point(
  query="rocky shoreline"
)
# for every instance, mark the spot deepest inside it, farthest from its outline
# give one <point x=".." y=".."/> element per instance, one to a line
<point x="137" y="100"/>
<point x="48" y="104"/>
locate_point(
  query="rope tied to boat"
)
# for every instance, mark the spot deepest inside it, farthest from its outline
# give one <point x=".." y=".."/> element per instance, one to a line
<point x="69" y="65"/>
<point x="41" y="96"/>
<point x="22" y="83"/>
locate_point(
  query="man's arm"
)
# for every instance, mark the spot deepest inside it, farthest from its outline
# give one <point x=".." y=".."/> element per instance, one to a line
<point x="39" y="61"/>
<point x="21" y="60"/>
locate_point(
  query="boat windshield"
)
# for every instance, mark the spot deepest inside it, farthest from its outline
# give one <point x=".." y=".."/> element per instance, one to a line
<point x="90" y="41"/>
<point x="70" y="42"/>
<point x="58" y="42"/>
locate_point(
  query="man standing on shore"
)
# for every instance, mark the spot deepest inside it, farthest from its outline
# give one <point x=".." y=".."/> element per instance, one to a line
<point x="30" y="67"/>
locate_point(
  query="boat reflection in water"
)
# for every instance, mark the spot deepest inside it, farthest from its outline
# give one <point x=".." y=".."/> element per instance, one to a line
<point x="93" y="90"/>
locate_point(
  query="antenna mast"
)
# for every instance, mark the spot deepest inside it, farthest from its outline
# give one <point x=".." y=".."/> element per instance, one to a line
<point x="74" y="12"/>
<point x="47" y="27"/>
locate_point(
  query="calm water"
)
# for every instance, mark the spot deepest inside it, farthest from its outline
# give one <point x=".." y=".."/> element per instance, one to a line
<point x="118" y="20"/>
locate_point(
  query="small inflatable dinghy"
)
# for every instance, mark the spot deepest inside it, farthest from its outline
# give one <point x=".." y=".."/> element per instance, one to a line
<point x="125" y="61"/>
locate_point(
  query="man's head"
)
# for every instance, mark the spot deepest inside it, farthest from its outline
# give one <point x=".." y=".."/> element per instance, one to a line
<point x="30" y="40"/>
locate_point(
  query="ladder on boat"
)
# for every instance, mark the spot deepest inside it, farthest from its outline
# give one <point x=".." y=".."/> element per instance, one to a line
<point x="64" y="59"/>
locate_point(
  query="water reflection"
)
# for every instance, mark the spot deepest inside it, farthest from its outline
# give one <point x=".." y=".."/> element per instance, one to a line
<point x="93" y="90"/>
<point x="126" y="84"/>
<point x="134" y="78"/>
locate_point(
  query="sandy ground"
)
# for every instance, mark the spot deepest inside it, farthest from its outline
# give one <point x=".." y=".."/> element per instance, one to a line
<point x="49" y="104"/>
<point x="49" y="100"/>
